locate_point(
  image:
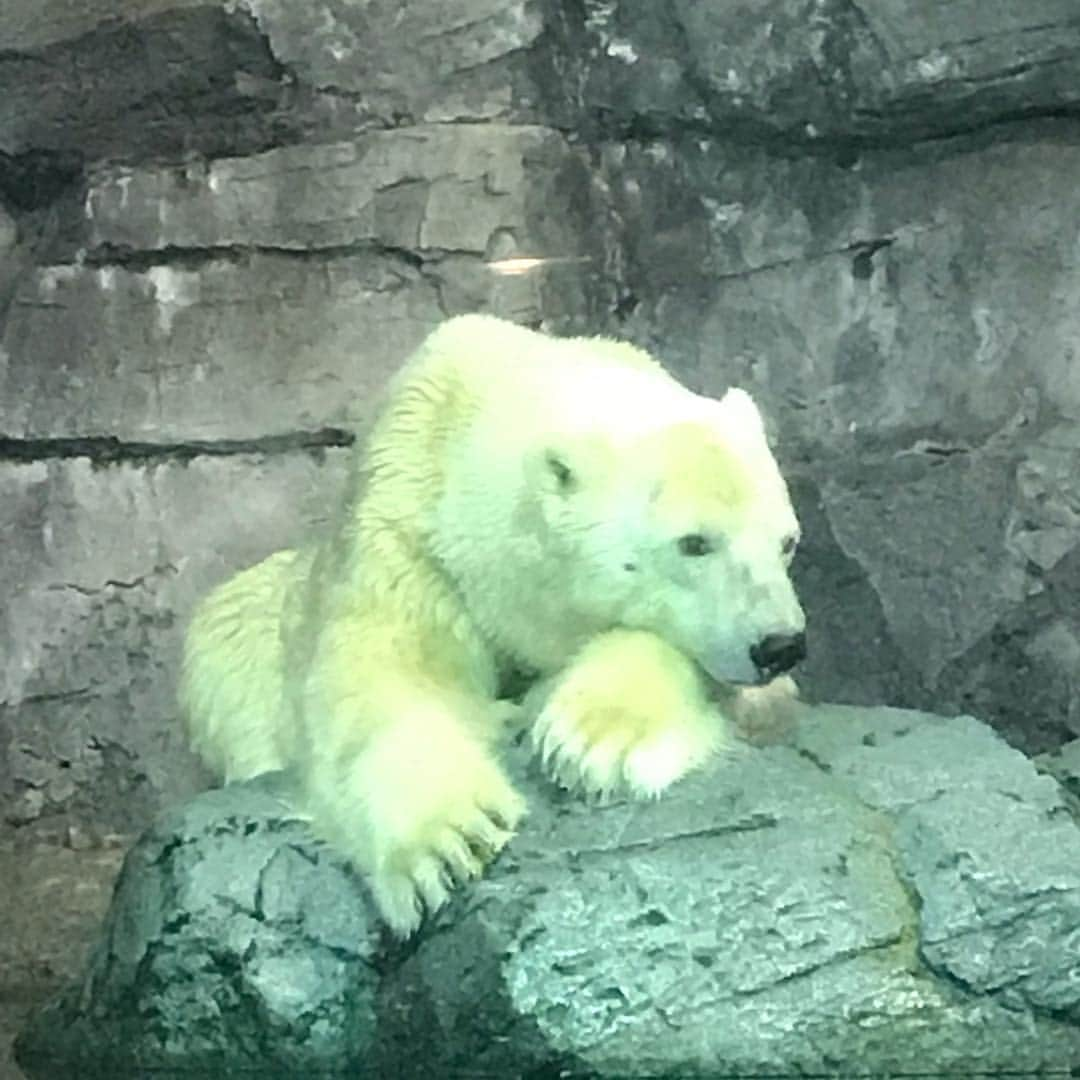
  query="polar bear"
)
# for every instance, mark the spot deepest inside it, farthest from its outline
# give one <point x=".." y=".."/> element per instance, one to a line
<point x="562" y="506"/>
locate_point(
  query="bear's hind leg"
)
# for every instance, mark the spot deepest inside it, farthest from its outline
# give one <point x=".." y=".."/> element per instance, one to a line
<point x="629" y="712"/>
<point x="231" y="692"/>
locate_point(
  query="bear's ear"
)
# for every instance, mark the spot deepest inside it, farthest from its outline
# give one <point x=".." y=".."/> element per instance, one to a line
<point x="741" y="416"/>
<point x="563" y="466"/>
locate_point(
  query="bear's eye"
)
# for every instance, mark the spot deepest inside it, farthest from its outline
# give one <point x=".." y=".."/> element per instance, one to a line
<point x="694" y="545"/>
<point x="788" y="545"/>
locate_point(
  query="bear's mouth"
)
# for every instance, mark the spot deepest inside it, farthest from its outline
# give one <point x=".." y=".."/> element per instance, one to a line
<point x="721" y="687"/>
<point x="725" y="687"/>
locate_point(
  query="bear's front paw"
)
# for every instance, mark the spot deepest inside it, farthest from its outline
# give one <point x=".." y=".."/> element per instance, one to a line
<point x="604" y="746"/>
<point x="629" y="712"/>
<point x="438" y="816"/>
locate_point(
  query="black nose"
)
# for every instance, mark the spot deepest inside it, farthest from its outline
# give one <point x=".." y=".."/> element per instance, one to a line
<point x="778" y="653"/>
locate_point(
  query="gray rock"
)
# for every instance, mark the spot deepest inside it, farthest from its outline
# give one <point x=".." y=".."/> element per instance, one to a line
<point x="91" y="80"/>
<point x="223" y="224"/>
<point x="987" y="844"/>
<point x="232" y="939"/>
<point x="1064" y="765"/>
<point x="15" y="260"/>
<point x="266" y="72"/>
<point x="275" y="293"/>
<point x="462" y="60"/>
<point x="224" y="349"/>
<point x="426" y="189"/>
<point x="807" y="71"/>
<point x="102" y="567"/>
<point x="249" y="76"/>
<point x="903" y="319"/>
<point x="896" y="892"/>
<point x="8" y="236"/>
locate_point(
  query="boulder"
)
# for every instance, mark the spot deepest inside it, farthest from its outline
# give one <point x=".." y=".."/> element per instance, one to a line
<point x="893" y="892"/>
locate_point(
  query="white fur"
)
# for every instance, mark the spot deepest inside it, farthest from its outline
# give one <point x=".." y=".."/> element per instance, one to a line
<point x="520" y="500"/>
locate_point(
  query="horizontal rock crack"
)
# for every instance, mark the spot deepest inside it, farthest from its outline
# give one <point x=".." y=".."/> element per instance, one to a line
<point x="107" y="449"/>
<point x="753" y="824"/>
<point x="194" y="257"/>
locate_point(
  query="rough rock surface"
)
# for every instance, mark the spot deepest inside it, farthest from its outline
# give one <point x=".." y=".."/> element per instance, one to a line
<point x="894" y="892"/>
<point x="292" y="281"/>
<point x="223" y="223"/>
<point x="827" y="71"/>
<point x="906" y="318"/>
<point x="1064" y="765"/>
<point x="219" y="333"/>
<point x="96" y="585"/>
<point x="140" y="79"/>
<point x="54" y="892"/>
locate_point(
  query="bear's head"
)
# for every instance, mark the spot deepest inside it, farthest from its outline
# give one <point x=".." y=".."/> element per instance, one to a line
<point x="685" y="529"/>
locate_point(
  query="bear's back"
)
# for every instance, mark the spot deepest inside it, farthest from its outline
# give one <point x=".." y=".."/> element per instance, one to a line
<point x="526" y="382"/>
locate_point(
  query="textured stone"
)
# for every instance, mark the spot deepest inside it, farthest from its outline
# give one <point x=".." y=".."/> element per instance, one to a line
<point x="53" y="899"/>
<point x="102" y="568"/>
<point x="818" y="283"/>
<point x="905" y="320"/>
<point x="231" y="938"/>
<point x="409" y="60"/>
<point x="987" y="844"/>
<point x="230" y="349"/>
<point x="29" y="27"/>
<point x="422" y="189"/>
<point x="87" y="81"/>
<point x="1064" y="765"/>
<point x="266" y="72"/>
<point x="825" y="71"/>
<point x="14" y="261"/>
<point x="895" y="892"/>
<point x="133" y="81"/>
<point x="8" y="235"/>
<point x="275" y="293"/>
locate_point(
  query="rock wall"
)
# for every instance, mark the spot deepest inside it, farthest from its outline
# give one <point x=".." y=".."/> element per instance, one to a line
<point x="223" y="224"/>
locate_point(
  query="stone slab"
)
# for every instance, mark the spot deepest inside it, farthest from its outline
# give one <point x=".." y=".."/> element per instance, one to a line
<point x="275" y="293"/>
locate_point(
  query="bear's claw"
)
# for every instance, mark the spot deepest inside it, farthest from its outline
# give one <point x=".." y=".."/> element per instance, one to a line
<point x="641" y="757"/>
<point x="437" y="808"/>
<point x="419" y="878"/>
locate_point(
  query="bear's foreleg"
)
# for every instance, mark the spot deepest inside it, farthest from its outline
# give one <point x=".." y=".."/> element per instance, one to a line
<point x="400" y="771"/>
<point x="629" y="712"/>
